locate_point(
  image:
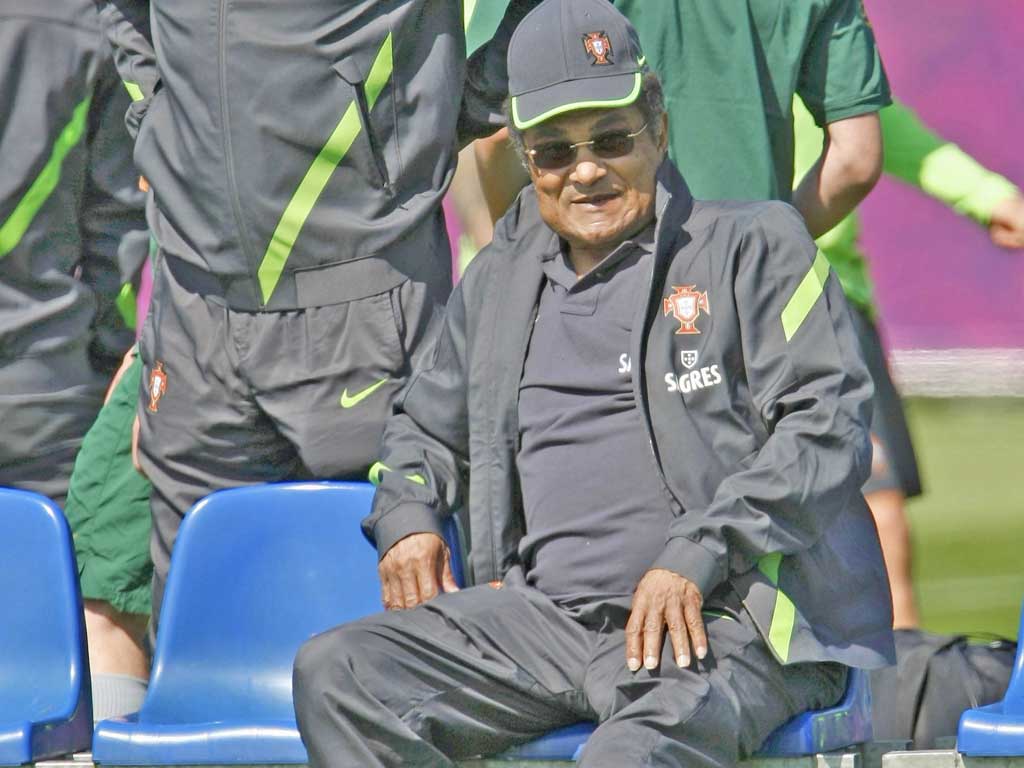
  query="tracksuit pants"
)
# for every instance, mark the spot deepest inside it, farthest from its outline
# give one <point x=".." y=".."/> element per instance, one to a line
<point x="47" y="404"/>
<point x="231" y="398"/>
<point x="475" y="672"/>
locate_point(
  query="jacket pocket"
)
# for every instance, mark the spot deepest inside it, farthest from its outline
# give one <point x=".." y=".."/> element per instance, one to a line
<point x="349" y="71"/>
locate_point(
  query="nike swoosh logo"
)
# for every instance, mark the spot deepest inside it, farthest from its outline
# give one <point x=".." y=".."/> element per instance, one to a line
<point x="641" y="61"/>
<point x="351" y="401"/>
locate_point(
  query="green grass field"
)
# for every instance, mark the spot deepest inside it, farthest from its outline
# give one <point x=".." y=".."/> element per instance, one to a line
<point x="968" y="527"/>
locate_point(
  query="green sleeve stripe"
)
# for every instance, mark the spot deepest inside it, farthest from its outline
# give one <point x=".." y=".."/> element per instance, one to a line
<point x="126" y="305"/>
<point x="780" y="634"/>
<point x="316" y="178"/>
<point x="25" y="211"/>
<point x="800" y="304"/>
<point x="133" y="90"/>
<point x="376" y="472"/>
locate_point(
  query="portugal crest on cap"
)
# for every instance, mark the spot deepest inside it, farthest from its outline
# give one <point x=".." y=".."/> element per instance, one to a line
<point x="157" y="387"/>
<point x="599" y="47"/>
<point x="685" y="305"/>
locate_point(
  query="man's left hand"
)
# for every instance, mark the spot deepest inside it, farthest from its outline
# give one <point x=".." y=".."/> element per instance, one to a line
<point x="664" y="598"/>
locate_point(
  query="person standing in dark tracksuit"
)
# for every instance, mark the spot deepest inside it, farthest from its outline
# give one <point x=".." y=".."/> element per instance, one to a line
<point x="69" y="207"/>
<point x="297" y="155"/>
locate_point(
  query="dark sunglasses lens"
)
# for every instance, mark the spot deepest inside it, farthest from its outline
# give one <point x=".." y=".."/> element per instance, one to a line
<point x="614" y="144"/>
<point x="557" y="154"/>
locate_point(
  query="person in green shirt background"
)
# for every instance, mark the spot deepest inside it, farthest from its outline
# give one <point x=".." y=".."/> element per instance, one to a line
<point x="918" y="156"/>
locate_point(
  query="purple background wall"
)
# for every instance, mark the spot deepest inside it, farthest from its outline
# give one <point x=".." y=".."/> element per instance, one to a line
<point x="960" y="65"/>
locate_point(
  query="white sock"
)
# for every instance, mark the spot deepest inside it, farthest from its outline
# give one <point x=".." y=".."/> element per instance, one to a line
<point x="114" y="695"/>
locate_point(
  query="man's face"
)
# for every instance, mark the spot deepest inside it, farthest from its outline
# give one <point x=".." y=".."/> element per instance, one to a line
<point x="596" y="202"/>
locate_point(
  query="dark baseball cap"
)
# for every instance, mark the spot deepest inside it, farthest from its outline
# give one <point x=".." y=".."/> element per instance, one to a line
<point x="572" y="54"/>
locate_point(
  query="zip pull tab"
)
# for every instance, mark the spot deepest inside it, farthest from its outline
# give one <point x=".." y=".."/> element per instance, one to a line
<point x="348" y="70"/>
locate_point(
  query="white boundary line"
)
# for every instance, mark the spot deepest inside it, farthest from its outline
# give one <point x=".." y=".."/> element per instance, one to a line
<point x="958" y="372"/>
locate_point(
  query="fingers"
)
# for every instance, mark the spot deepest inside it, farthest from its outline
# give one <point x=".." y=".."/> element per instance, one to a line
<point x="664" y="598"/>
<point x="411" y="572"/>
<point x="448" y="583"/>
<point x="695" y="625"/>
<point x="677" y="633"/>
<point x="634" y="636"/>
<point x="654" y="634"/>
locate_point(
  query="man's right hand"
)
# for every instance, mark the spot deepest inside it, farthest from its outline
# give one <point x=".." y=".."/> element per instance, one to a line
<point x="414" y="570"/>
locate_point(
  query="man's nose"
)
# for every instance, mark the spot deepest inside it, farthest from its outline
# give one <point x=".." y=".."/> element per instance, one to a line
<point x="589" y="168"/>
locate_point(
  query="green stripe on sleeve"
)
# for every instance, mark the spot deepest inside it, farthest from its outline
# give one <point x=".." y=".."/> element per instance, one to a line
<point x="780" y="634"/>
<point x="133" y="90"/>
<point x="810" y="288"/>
<point x="319" y="173"/>
<point x="25" y="211"/>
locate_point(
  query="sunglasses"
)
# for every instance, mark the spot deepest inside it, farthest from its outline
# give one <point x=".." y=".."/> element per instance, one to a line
<point x="559" y="154"/>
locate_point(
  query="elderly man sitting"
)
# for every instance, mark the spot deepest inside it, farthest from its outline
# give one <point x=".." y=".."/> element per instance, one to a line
<point x="655" y="412"/>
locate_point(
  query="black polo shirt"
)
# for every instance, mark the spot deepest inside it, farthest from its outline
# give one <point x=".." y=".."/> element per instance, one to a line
<point x="596" y="515"/>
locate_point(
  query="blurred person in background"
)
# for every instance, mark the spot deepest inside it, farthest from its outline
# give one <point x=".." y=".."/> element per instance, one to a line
<point x="918" y="156"/>
<point x="72" y="234"/>
<point x="69" y="203"/>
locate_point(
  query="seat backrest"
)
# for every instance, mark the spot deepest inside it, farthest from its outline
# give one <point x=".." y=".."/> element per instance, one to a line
<point x="256" y="571"/>
<point x="43" y="659"/>
<point x="1013" y="701"/>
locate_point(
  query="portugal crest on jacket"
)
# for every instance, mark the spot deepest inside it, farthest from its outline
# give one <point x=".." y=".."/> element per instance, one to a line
<point x="685" y="305"/>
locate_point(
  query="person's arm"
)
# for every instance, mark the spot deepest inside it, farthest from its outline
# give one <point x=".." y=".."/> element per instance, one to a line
<point x="502" y="175"/>
<point x="842" y="83"/>
<point x="126" y="23"/>
<point x="848" y="168"/>
<point x="421" y="471"/>
<point x="112" y="217"/>
<point x="917" y="155"/>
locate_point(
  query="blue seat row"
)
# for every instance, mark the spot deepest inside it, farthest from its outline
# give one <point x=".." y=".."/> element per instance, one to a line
<point x="233" y="619"/>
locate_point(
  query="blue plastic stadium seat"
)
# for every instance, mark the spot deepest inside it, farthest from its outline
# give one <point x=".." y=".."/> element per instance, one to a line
<point x="256" y="571"/>
<point x="45" y="699"/>
<point x="997" y="730"/>
<point x="823" y="730"/>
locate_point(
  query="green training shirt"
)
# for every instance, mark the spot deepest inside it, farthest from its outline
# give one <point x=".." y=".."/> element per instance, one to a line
<point x="915" y="155"/>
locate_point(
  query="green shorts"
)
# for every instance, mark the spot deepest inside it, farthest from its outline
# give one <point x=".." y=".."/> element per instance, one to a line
<point x="108" y="506"/>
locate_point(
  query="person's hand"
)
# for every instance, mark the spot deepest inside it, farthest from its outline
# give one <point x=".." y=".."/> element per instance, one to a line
<point x="414" y="570"/>
<point x="1006" y="225"/>
<point x="664" y="598"/>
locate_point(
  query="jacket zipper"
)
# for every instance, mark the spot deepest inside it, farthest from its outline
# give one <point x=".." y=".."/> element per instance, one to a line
<point x="371" y="137"/>
<point x="229" y="157"/>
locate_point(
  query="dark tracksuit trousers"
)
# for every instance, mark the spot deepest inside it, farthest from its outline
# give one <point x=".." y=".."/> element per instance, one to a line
<point x="255" y="397"/>
<point x="475" y="672"/>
